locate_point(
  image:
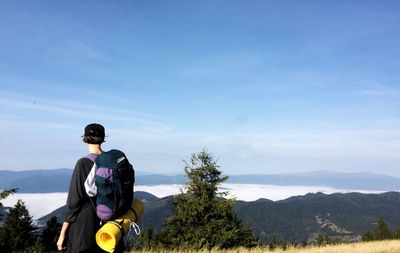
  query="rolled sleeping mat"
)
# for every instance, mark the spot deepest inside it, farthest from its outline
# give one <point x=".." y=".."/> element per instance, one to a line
<point x="113" y="231"/>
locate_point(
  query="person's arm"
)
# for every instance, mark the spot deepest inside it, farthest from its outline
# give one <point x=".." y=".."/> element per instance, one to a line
<point x="73" y="205"/>
<point x="61" y="239"/>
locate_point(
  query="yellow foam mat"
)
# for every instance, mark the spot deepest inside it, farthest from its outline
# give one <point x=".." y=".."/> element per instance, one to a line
<point x="110" y="233"/>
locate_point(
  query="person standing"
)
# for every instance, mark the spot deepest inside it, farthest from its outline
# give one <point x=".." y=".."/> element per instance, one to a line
<point x="78" y="232"/>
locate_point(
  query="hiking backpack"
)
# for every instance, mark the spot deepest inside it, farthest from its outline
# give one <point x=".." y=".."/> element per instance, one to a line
<point x="114" y="181"/>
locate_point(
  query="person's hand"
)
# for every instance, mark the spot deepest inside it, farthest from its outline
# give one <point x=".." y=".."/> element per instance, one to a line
<point x="60" y="243"/>
<point x="61" y="240"/>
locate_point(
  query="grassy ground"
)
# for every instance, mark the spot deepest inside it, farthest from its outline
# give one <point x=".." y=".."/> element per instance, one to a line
<point x="364" y="247"/>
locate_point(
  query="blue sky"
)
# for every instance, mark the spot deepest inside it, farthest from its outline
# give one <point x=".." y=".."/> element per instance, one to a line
<point x="266" y="86"/>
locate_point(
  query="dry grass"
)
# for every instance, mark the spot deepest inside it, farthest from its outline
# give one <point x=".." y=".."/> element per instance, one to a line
<point x="392" y="246"/>
<point x="366" y="247"/>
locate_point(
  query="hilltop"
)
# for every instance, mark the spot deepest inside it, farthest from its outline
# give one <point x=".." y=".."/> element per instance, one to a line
<point x="295" y="219"/>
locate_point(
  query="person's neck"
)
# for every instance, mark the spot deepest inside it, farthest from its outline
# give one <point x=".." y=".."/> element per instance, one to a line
<point x="95" y="149"/>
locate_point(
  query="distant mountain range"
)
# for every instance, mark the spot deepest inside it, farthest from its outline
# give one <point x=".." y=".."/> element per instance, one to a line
<point x="59" y="212"/>
<point x="45" y="181"/>
<point x="295" y="219"/>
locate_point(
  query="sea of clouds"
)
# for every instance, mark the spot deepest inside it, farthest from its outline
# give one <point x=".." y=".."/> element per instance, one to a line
<point x="40" y="204"/>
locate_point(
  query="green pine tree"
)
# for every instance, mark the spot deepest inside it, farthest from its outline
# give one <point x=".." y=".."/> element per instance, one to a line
<point x="49" y="236"/>
<point x="203" y="218"/>
<point x="277" y="242"/>
<point x="396" y="233"/>
<point x="4" y="194"/>
<point x="382" y="231"/>
<point x="19" y="232"/>
<point x="368" y="236"/>
<point x="145" y="240"/>
<point x="323" y="239"/>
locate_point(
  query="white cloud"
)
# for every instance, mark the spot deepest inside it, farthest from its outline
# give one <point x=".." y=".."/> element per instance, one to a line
<point x="14" y="104"/>
<point x="76" y="49"/>
<point x="40" y="204"/>
<point x="324" y="143"/>
<point x="372" y="88"/>
<point x="154" y="145"/>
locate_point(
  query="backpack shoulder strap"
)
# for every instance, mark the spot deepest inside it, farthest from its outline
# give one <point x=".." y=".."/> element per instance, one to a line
<point x="91" y="157"/>
<point x="90" y="182"/>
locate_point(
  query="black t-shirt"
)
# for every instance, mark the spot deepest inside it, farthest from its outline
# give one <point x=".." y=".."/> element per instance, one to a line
<point x="80" y="211"/>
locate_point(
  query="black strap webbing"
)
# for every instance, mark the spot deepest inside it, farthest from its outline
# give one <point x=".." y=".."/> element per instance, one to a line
<point x="118" y="224"/>
<point x="134" y="212"/>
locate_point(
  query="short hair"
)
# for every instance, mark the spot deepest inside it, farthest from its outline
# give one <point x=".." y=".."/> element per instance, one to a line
<point x="93" y="139"/>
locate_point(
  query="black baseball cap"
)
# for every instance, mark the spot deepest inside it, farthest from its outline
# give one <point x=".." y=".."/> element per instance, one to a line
<point x="94" y="130"/>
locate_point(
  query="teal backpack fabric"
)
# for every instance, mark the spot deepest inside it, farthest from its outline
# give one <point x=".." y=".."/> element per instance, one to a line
<point x="114" y="178"/>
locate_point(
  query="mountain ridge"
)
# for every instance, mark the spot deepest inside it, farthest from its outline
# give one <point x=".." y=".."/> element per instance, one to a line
<point x="296" y="219"/>
<point x="57" y="180"/>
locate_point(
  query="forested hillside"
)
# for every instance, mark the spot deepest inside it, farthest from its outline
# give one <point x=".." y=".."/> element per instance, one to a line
<point x="296" y="219"/>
